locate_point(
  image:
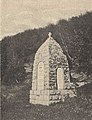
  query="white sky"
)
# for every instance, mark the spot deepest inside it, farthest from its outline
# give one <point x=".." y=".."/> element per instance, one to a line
<point x="19" y="15"/>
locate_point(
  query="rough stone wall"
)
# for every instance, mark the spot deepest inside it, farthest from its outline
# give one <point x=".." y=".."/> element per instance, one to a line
<point x="56" y="96"/>
<point x="57" y="60"/>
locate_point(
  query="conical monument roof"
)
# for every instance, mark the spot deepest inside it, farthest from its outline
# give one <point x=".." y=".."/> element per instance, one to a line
<point x="50" y="42"/>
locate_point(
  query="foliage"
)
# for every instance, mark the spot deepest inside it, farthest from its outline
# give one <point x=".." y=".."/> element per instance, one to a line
<point x="74" y="36"/>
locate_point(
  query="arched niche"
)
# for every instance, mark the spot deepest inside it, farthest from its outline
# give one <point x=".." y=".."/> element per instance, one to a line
<point x="40" y="80"/>
<point x="60" y="78"/>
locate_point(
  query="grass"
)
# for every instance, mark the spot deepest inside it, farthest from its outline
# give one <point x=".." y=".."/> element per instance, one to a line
<point x="17" y="107"/>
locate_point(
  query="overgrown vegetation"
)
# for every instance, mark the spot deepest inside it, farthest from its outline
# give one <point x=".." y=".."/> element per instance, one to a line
<point x="74" y="36"/>
<point x="16" y="106"/>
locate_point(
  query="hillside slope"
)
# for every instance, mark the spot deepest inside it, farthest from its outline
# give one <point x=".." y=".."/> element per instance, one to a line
<point x="74" y="36"/>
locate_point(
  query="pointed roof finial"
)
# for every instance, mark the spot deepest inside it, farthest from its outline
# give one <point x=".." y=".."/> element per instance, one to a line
<point x="50" y="34"/>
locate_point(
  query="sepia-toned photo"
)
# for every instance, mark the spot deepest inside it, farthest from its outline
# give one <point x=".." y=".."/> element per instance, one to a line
<point x="46" y="59"/>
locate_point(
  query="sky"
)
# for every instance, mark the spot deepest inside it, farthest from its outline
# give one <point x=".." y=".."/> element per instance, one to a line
<point x="19" y="15"/>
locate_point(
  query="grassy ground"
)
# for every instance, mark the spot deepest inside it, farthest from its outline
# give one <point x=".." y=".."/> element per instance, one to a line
<point x="17" y="107"/>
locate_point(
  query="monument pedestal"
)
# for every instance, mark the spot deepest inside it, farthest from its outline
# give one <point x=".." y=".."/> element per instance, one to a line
<point x="48" y="97"/>
<point x="39" y="97"/>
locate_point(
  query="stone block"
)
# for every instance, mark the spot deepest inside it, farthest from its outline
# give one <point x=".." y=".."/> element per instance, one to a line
<point x="45" y="102"/>
<point x="46" y="97"/>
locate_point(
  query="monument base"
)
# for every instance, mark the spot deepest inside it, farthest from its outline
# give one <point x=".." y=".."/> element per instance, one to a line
<point x="48" y="97"/>
<point x="39" y="97"/>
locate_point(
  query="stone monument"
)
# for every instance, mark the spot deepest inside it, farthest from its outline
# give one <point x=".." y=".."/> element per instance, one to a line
<point x="50" y="74"/>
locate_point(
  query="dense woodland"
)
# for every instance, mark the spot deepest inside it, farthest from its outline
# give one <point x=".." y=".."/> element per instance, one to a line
<point x="74" y="35"/>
